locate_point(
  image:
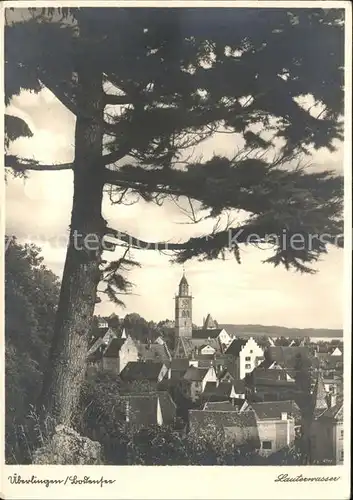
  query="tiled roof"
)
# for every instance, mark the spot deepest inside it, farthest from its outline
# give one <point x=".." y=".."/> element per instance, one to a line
<point x="142" y="408"/>
<point x="224" y="418"/>
<point x="113" y="348"/>
<point x="153" y="352"/>
<point x="209" y="323"/>
<point x="273" y="409"/>
<point x="194" y="374"/>
<point x="236" y="346"/>
<point x="241" y="425"/>
<point x="139" y="370"/>
<point x="179" y="364"/>
<point x="239" y="386"/>
<point x="269" y="374"/>
<point x="187" y="346"/>
<point x="203" y="333"/>
<point x="223" y="389"/>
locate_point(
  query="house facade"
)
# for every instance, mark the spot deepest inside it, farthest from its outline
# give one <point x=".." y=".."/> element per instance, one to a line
<point x="195" y="380"/>
<point x="327" y="436"/>
<point x="268" y="428"/>
<point x="248" y="355"/>
<point x="276" y="422"/>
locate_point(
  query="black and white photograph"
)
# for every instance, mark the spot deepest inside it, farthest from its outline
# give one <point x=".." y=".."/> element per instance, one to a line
<point x="174" y="250"/>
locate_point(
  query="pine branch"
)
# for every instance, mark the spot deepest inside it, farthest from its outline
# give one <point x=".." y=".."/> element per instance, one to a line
<point x="22" y="164"/>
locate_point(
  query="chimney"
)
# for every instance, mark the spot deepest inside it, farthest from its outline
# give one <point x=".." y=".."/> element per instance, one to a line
<point x="333" y="400"/>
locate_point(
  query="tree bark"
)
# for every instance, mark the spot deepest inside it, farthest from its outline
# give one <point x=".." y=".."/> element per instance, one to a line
<point x="67" y="365"/>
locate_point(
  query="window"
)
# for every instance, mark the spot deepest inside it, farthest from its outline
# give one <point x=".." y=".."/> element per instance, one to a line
<point x="251" y="351"/>
<point x="341" y="435"/>
<point x="247" y="367"/>
<point x="267" y="445"/>
<point x="247" y="358"/>
<point x="341" y="455"/>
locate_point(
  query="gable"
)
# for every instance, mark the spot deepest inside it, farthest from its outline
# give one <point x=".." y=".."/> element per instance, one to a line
<point x="207" y="350"/>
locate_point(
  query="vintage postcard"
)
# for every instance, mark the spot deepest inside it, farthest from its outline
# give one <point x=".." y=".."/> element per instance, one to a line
<point x="176" y="250"/>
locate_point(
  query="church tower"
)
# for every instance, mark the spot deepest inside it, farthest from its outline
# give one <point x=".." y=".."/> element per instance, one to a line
<point x="183" y="310"/>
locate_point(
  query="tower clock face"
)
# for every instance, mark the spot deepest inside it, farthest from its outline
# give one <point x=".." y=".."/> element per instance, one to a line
<point x="185" y="302"/>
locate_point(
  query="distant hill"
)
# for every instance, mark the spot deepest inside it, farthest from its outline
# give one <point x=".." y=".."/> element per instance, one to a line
<point x="281" y="331"/>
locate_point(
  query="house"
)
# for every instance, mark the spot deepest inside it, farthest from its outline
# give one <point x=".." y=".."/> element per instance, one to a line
<point x="237" y="427"/>
<point x="109" y="353"/>
<point x="101" y="336"/>
<point x="110" y="356"/>
<point x="326" y="436"/>
<point x="188" y="347"/>
<point x="268" y="427"/>
<point x="266" y="384"/>
<point x="207" y="349"/>
<point x="247" y="355"/>
<point x="153" y="352"/>
<point x="276" y="421"/>
<point x="224" y="391"/>
<point x="144" y="371"/>
<point x="223" y="337"/>
<point x="195" y="380"/>
<point x="178" y="368"/>
<point x="156" y="408"/>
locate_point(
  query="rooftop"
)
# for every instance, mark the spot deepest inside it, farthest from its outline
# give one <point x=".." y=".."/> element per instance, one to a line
<point x="273" y="409"/>
<point x="139" y="370"/>
<point x="203" y="333"/>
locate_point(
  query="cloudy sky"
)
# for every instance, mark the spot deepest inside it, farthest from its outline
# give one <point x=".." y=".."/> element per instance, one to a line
<point x="38" y="210"/>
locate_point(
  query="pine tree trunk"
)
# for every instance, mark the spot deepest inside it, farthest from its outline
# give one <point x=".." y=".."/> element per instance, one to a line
<point x="67" y="366"/>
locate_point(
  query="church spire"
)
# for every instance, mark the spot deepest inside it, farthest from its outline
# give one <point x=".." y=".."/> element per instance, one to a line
<point x="183" y="286"/>
<point x="319" y="395"/>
